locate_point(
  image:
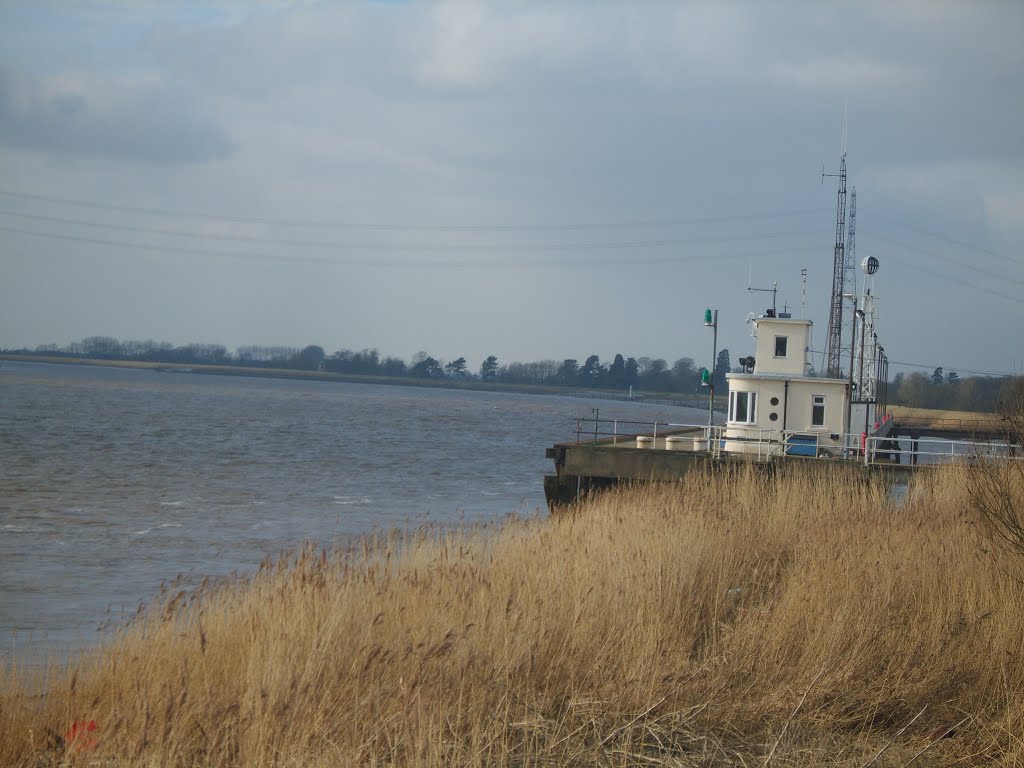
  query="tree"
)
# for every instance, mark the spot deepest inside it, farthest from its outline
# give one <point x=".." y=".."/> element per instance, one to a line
<point x="632" y="373"/>
<point x="102" y="347"/>
<point x="722" y="367"/>
<point x="914" y="390"/>
<point x="366" y="362"/>
<point x="617" y="371"/>
<point x="996" y="488"/>
<point x="592" y="370"/>
<point x="655" y="374"/>
<point x="937" y="376"/>
<point x="308" y="359"/>
<point x="489" y="368"/>
<point x="427" y="368"/>
<point x="456" y="369"/>
<point x="685" y="374"/>
<point x="393" y="366"/>
<point x="953" y="378"/>
<point x="568" y="371"/>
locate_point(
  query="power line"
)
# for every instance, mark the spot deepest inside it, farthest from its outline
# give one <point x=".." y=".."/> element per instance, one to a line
<point x="313" y="223"/>
<point x="935" y="235"/>
<point x="249" y="239"/>
<point x="924" y="367"/>
<point x="928" y="367"/>
<point x="969" y="284"/>
<point x="378" y="261"/>
<point x="943" y="257"/>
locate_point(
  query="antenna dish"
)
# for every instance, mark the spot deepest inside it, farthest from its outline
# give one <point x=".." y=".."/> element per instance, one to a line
<point x="869" y="265"/>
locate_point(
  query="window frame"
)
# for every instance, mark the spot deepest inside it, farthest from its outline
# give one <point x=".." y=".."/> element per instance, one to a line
<point x="818" y="401"/>
<point x="785" y="347"/>
<point x="749" y="404"/>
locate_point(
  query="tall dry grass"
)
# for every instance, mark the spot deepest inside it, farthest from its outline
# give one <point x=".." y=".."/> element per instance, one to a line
<point x="739" y="619"/>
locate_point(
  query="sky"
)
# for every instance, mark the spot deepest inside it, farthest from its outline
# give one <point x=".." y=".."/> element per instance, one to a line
<point x="526" y="179"/>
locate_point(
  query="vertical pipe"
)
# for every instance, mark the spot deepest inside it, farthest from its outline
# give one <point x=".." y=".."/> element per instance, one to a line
<point x="848" y="428"/>
<point x="785" y="410"/>
<point x="714" y="365"/>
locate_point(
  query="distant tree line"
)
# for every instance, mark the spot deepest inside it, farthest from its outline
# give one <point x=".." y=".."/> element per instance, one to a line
<point x="942" y="390"/>
<point x="949" y="391"/>
<point x="652" y="374"/>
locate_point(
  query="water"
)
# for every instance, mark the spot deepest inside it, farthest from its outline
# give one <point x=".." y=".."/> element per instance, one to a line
<point x="113" y="481"/>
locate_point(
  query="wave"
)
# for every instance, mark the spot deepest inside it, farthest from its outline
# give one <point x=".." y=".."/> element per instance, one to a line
<point x="352" y="501"/>
<point x="144" y="531"/>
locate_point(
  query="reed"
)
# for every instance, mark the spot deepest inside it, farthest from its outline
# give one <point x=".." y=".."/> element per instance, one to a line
<point x="732" y="619"/>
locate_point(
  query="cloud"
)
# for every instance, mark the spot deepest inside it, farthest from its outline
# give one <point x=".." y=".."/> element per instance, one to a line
<point x="139" y="118"/>
<point x="439" y="120"/>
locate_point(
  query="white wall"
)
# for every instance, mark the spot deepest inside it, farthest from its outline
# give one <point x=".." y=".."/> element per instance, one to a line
<point x="797" y="333"/>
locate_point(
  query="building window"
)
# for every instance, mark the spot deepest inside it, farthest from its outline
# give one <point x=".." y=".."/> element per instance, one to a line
<point x="818" y="411"/>
<point x="742" y="407"/>
<point x="781" y="343"/>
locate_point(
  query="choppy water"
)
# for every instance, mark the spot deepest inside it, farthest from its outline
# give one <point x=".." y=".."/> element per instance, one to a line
<point x="113" y="481"/>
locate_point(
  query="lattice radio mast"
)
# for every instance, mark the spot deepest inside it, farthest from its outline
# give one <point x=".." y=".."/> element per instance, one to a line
<point x="848" y="331"/>
<point x="833" y="343"/>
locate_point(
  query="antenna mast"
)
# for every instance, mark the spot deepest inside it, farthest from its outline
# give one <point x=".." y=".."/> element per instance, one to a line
<point x="833" y="344"/>
<point x="849" y="326"/>
<point x="803" y="300"/>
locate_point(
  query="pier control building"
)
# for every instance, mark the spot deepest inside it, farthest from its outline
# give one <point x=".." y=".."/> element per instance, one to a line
<point x="778" y="405"/>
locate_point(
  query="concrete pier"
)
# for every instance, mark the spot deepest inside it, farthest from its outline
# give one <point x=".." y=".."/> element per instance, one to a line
<point x="589" y="465"/>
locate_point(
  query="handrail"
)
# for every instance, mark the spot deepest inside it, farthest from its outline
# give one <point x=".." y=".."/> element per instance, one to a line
<point x="765" y="445"/>
<point x="986" y="426"/>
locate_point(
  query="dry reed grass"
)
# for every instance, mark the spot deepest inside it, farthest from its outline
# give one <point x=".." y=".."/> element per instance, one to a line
<point x="934" y="417"/>
<point x="740" y="619"/>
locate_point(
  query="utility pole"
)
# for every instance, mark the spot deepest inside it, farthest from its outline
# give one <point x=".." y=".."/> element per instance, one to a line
<point x="711" y="321"/>
<point x="850" y="385"/>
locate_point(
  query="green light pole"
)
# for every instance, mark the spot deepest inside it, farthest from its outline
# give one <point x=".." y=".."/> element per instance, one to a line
<point x="711" y="321"/>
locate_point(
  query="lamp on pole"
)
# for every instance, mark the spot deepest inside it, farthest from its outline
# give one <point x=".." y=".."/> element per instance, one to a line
<point x="711" y="321"/>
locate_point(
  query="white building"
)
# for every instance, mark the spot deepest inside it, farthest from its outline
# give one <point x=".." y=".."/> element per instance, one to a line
<point x="779" y="407"/>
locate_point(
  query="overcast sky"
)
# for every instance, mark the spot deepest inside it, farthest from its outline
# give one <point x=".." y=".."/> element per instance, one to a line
<point x="525" y="179"/>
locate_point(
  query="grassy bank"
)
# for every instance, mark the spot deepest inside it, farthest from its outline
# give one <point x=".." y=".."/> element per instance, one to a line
<point x="730" y="620"/>
<point x="938" y="419"/>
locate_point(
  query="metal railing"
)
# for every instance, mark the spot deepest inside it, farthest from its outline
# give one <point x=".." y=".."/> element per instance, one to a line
<point x="971" y="426"/>
<point x="931" y="451"/>
<point x="765" y="445"/>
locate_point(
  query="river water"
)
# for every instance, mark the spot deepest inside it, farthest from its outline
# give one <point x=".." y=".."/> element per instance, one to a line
<point x="114" y="481"/>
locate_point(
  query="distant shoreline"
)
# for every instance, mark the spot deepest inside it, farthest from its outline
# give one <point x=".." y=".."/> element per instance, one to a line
<point x="657" y="398"/>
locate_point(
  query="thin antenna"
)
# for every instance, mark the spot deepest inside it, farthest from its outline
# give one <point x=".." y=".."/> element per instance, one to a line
<point x="773" y="290"/>
<point x="803" y="300"/>
<point x="844" y="129"/>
